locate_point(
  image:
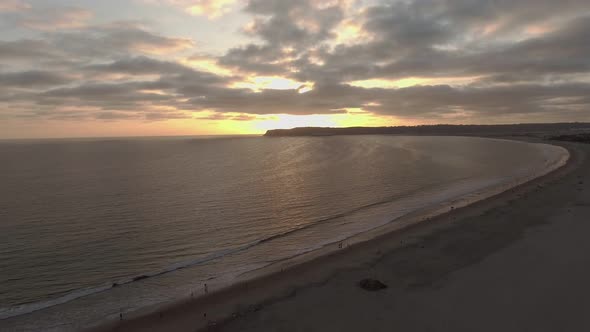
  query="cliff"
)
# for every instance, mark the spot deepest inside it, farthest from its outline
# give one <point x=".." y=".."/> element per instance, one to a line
<point x="443" y="129"/>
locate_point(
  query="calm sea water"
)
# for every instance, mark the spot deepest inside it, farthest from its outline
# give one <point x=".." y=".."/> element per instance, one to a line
<point x="89" y="228"/>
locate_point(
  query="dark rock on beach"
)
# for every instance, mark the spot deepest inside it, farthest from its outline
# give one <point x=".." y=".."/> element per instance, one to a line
<point x="372" y="285"/>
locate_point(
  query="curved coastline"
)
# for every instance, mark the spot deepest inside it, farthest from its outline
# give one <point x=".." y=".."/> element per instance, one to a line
<point x="419" y="216"/>
<point x="235" y="299"/>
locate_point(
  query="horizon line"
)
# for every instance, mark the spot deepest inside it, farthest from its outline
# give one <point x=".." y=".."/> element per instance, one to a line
<point x="274" y="129"/>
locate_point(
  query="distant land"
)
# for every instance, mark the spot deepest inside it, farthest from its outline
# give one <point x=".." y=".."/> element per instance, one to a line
<point x="442" y="129"/>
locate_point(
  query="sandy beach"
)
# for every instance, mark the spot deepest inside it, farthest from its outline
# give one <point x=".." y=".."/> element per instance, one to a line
<point x="514" y="262"/>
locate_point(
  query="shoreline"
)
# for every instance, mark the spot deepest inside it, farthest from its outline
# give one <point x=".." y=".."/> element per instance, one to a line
<point x="286" y="278"/>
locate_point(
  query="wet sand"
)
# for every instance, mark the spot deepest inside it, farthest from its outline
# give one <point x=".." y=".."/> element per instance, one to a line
<point x="518" y="261"/>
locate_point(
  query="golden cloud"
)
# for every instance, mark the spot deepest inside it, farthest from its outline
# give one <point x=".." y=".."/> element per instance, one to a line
<point x="209" y="8"/>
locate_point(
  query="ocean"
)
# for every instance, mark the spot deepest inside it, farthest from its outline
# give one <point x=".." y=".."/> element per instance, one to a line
<point x="90" y="228"/>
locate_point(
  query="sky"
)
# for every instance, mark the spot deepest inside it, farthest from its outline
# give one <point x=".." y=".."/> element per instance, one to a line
<point x="207" y="67"/>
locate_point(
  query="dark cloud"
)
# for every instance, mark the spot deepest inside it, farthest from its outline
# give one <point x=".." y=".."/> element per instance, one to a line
<point x="255" y="58"/>
<point x="564" y="51"/>
<point x="114" y="116"/>
<point x="26" y="50"/>
<point x="175" y="74"/>
<point x="420" y="102"/>
<point x="523" y="100"/>
<point x="293" y="23"/>
<point x="157" y="116"/>
<point x="141" y="65"/>
<point x="107" y="96"/>
<point x="91" y="43"/>
<point x="451" y="38"/>
<point x="117" y="39"/>
<point x="287" y="28"/>
<point x="30" y="79"/>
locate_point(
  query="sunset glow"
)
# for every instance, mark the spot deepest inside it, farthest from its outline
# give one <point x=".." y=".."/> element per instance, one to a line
<point x="260" y="83"/>
<point x="412" y="81"/>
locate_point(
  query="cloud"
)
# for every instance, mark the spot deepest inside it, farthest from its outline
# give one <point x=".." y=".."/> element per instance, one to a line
<point x="483" y="102"/>
<point x="211" y="9"/>
<point x="109" y="116"/>
<point x="563" y="51"/>
<point x="53" y="18"/>
<point x="140" y="65"/>
<point x="118" y="38"/>
<point x="91" y="44"/>
<point x="12" y="6"/>
<point x="29" y="79"/>
<point x="108" y="96"/>
<point x="523" y="59"/>
<point x="227" y="116"/>
<point x="26" y="50"/>
<point x="158" y="116"/>
<point x="287" y="28"/>
<point x="445" y="38"/>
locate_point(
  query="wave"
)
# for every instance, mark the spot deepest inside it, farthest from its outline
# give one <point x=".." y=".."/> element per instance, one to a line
<point x="79" y="293"/>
